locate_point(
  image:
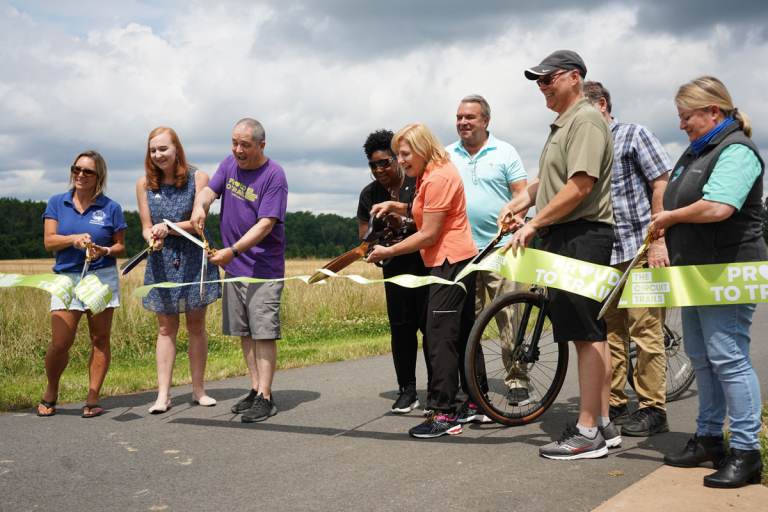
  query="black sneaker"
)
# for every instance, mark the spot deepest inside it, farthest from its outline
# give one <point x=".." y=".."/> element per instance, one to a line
<point x="518" y="397"/>
<point x="245" y="403"/>
<point x="438" y="424"/>
<point x="645" y="422"/>
<point x="469" y="413"/>
<point x="407" y="400"/>
<point x="261" y="410"/>
<point x="618" y="414"/>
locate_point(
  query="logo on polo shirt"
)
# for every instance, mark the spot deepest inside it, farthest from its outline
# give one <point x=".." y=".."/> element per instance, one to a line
<point x="98" y="217"/>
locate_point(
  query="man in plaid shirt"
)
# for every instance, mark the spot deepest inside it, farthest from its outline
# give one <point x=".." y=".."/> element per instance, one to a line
<point x="639" y="176"/>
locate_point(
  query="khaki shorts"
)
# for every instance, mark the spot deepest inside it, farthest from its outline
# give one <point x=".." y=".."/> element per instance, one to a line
<point x="252" y="310"/>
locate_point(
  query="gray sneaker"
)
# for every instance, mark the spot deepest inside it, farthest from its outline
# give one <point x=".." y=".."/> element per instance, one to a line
<point x="611" y="435"/>
<point x="573" y="445"/>
<point x="261" y="410"/>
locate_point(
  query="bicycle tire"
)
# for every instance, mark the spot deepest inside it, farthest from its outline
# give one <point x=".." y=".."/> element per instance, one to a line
<point x="679" y="369"/>
<point x="485" y="357"/>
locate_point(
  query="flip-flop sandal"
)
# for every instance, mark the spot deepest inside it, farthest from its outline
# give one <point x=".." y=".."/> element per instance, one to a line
<point x="50" y="406"/>
<point x="92" y="411"/>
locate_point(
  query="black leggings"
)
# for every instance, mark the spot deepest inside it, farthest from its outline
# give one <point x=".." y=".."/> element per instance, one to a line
<point x="406" y="308"/>
<point x="450" y="315"/>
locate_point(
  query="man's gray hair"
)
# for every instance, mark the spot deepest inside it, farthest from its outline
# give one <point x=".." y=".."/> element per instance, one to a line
<point x="485" y="108"/>
<point x="257" y="130"/>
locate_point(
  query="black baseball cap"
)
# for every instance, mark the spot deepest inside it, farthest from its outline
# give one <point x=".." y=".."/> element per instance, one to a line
<point x="560" y="59"/>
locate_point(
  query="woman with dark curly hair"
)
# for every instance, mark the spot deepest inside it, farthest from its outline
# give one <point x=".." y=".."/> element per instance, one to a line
<point x="405" y="306"/>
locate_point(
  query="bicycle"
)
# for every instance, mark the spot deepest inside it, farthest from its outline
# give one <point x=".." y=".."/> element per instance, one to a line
<point x="494" y="345"/>
<point x="679" y="368"/>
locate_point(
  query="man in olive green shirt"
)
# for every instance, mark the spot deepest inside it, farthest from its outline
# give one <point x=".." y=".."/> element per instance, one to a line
<point x="573" y="218"/>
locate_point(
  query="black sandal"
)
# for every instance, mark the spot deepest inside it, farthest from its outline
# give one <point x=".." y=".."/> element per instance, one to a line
<point x="93" y="411"/>
<point x="51" y="406"/>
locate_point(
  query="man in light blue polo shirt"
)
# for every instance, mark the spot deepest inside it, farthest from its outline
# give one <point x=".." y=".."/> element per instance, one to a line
<point x="492" y="173"/>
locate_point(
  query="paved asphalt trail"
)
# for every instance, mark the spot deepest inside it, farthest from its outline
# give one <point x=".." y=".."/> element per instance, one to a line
<point x="333" y="446"/>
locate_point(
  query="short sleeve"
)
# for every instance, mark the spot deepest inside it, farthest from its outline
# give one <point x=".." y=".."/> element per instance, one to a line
<point x="514" y="170"/>
<point x="118" y="219"/>
<point x="275" y="199"/>
<point x="650" y="154"/>
<point x="734" y="174"/>
<point x="364" y="205"/>
<point x="52" y="209"/>
<point x="217" y="181"/>
<point x="586" y="149"/>
<point x="438" y="195"/>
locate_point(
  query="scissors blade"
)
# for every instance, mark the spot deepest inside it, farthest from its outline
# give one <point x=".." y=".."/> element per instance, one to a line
<point x="614" y="295"/>
<point x="488" y="248"/>
<point x="203" y="271"/>
<point x="86" y="264"/>
<point x="183" y="233"/>
<point x="134" y="261"/>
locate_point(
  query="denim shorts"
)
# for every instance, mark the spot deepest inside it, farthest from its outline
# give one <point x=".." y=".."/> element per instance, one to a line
<point x="107" y="275"/>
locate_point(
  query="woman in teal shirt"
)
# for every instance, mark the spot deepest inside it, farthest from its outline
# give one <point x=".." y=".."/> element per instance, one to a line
<point x="713" y="207"/>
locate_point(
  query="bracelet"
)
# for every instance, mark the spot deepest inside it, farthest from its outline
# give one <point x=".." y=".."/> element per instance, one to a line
<point x="109" y="251"/>
<point x="235" y="252"/>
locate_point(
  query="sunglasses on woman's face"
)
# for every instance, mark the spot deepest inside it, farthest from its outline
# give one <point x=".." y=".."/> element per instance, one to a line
<point x="76" y="169"/>
<point x="380" y="164"/>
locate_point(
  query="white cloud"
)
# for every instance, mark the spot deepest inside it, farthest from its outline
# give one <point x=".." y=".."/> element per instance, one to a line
<point x="105" y="80"/>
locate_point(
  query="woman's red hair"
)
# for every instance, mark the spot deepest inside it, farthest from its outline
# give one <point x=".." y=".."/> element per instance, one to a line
<point x="154" y="173"/>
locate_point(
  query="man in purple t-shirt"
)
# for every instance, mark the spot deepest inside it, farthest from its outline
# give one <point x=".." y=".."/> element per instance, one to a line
<point x="254" y="193"/>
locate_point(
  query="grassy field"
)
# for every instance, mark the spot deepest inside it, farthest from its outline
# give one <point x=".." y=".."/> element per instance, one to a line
<point x="321" y="323"/>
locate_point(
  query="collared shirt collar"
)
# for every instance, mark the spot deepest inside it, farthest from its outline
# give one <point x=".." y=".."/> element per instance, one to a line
<point x="566" y="116"/>
<point x="490" y="143"/>
<point x="101" y="199"/>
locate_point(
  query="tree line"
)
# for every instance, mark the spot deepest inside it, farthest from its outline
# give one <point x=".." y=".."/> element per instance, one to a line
<point x="307" y="235"/>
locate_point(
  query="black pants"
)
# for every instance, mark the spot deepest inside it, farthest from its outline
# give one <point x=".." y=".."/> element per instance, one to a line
<point x="450" y="315"/>
<point x="406" y="310"/>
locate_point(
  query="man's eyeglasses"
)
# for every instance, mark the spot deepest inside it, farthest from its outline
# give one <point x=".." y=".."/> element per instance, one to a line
<point x="380" y="164"/>
<point x="76" y="169"/>
<point x="549" y="79"/>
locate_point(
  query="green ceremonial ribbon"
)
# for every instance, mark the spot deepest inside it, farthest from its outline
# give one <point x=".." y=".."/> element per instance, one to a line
<point x="55" y="284"/>
<point x="552" y="270"/>
<point x="90" y="291"/>
<point x="94" y="294"/>
<point x="697" y="285"/>
<point x="528" y="266"/>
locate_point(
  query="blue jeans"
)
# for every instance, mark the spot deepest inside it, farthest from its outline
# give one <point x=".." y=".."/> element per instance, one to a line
<point x="717" y="341"/>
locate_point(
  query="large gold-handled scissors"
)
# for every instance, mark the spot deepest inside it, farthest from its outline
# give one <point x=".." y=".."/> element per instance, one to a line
<point x="89" y="248"/>
<point x="614" y="295"/>
<point x="208" y="251"/>
<point x="138" y="258"/>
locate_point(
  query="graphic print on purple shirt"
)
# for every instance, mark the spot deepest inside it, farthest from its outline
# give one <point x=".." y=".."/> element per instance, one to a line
<point x="247" y="196"/>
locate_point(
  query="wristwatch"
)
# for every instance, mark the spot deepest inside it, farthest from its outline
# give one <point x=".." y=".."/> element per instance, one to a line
<point x="235" y="252"/>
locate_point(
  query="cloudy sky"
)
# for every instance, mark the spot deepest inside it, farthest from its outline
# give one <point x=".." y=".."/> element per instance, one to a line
<point x="322" y="74"/>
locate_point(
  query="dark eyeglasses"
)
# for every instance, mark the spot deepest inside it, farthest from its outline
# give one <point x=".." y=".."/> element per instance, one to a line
<point x="380" y="164"/>
<point x="76" y="169"/>
<point x="549" y="79"/>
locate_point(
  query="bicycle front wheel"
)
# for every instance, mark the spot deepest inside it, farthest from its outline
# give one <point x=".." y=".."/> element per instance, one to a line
<point x="512" y="343"/>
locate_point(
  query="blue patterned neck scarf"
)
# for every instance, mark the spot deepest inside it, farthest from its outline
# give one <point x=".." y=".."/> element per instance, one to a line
<point x="699" y="144"/>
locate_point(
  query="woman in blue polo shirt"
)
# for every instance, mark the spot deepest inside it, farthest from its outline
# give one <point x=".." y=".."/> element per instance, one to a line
<point x="79" y="218"/>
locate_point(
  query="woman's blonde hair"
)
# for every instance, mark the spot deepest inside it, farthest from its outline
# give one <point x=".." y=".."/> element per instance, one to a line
<point x="101" y="171"/>
<point x="707" y="91"/>
<point x="422" y="141"/>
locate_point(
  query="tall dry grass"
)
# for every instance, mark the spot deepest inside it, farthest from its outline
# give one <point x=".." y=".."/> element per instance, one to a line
<point x="333" y="321"/>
